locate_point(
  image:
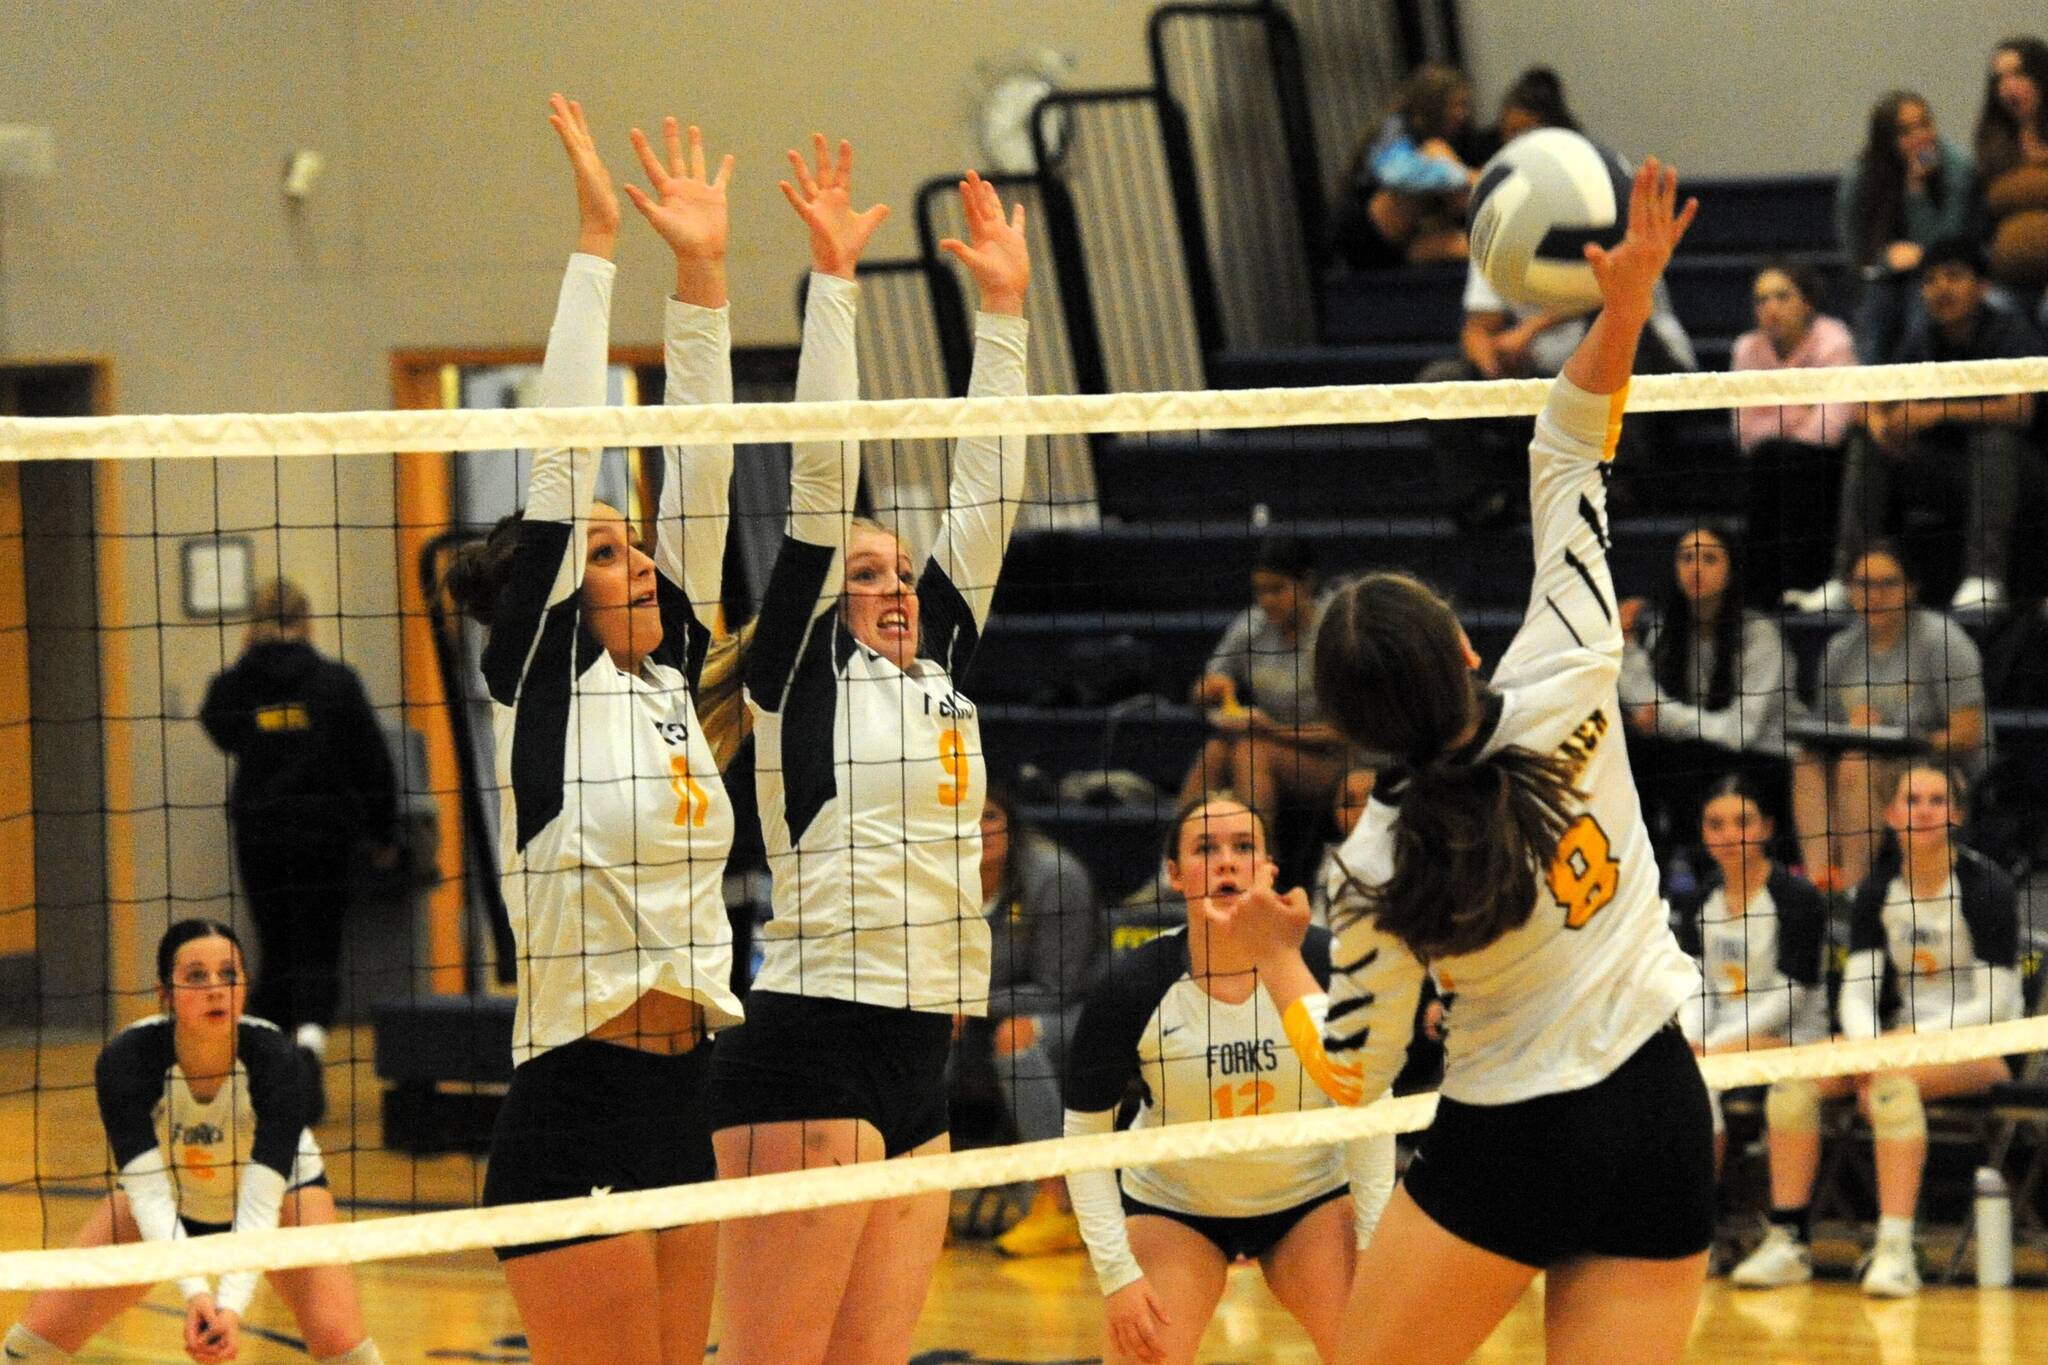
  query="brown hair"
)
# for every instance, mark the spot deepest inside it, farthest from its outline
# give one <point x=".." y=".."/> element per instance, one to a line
<point x="477" y="575"/>
<point x="1998" y="133"/>
<point x="279" y="611"/>
<point x="1474" y="835"/>
<point x="1191" y="806"/>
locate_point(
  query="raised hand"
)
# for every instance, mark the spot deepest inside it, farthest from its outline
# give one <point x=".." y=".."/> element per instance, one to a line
<point x="1628" y="273"/>
<point x="597" y="205"/>
<point x="1267" y="922"/>
<point x="998" y="258"/>
<point x="823" y="198"/>
<point x="688" y="211"/>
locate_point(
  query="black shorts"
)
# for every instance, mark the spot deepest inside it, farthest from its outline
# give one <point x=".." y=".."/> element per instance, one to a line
<point x="592" y="1116"/>
<point x="801" y="1057"/>
<point x="1621" y="1168"/>
<point x="197" y="1228"/>
<point x="1250" y="1237"/>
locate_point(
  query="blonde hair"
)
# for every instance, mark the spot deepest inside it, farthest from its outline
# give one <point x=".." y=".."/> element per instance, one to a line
<point x="280" y="610"/>
<point x="721" y="709"/>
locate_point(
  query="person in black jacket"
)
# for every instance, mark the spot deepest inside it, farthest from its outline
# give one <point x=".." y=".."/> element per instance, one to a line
<point x="312" y="780"/>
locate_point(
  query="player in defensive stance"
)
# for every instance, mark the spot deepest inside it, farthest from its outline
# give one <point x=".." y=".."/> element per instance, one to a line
<point x="205" y="1109"/>
<point x="1184" y="1016"/>
<point x="871" y="781"/>
<point x="1504" y="853"/>
<point x="616" y="826"/>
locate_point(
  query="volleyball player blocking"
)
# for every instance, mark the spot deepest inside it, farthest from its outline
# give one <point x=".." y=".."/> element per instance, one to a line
<point x="1504" y="854"/>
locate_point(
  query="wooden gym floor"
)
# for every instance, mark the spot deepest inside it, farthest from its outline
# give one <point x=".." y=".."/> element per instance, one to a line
<point x="983" y="1310"/>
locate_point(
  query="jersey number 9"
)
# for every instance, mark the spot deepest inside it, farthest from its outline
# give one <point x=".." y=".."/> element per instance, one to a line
<point x="1584" y="875"/>
<point x="953" y="758"/>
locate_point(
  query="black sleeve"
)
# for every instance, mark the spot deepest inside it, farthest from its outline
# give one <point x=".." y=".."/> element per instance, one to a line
<point x="789" y="605"/>
<point x="1685" y="922"/>
<point x="685" y="641"/>
<point x="946" y="622"/>
<point x="1866" y="914"/>
<point x="278" y="1092"/>
<point x="129" y="1080"/>
<point x="1103" y="1053"/>
<point x="521" y="611"/>
<point x="365" y="759"/>
<point x="1802" y="928"/>
<point x="1991" y="909"/>
<point x="224" y="713"/>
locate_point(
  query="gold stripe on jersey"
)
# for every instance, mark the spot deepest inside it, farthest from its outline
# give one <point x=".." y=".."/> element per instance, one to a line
<point x="1616" y="402"/>
<point x="1342" y="1082"/>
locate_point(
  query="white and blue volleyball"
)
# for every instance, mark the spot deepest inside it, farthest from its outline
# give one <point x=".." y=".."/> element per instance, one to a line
<point x="1538" y="202"/>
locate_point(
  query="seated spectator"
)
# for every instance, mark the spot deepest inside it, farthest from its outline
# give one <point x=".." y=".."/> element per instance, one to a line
<point x="1404" y="195"/>
<point x="1793" y="453"/>
<point x="1705" y="693"/>
<point x="1044" y="948"/>
<point x="1938" y="932"/>
<point x="2012" y="163"/>
<point x="1759" y="933"/>
<point x="1353" y="791"/>
<point x="1909" y="188"/>
<point x="1271" y="742"/>
<point x="1976" y="448"/>
<point x="1898" y="667"/>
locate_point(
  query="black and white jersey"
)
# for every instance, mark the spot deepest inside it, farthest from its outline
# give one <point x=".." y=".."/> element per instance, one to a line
<point x="1952" y="959"/>
<point x="228" y="1159"/>
<point x="870" y="777"/>
<point x="1762" y="965"/>
<point x="1558" y="1003"/>
<point x="1195" y="1057"/>
<point x="616" y="825"/>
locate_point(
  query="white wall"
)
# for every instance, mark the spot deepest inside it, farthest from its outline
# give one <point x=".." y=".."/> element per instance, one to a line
<point x="1740" y="87"/>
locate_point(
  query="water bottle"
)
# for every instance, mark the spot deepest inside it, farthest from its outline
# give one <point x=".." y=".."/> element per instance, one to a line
<point x="1994" y="1230"/>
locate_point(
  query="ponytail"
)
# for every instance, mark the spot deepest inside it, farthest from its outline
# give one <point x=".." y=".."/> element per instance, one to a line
<point x="477" y="575"/>
<point x="1473" y="834"/>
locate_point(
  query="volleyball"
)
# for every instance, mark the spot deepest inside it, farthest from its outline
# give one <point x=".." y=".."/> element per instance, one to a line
<point x="1538" y="202"/>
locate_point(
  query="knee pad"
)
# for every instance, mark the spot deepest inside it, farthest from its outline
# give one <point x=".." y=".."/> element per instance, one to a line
<point x="1793" y="1107"/>
<point x="1895" y="1108"/>
<point x="1714" y="1106"/>
<point x="23" y="1344"/>
<point x="365" y="1353"/>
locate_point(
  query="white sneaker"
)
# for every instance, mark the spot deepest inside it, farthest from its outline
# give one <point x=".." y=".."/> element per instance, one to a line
<point x="1831" y="596"/>
<point x="1891" y="1271"/>
<point x="1979" y="594"/>
<point x="1780" y="1259"/>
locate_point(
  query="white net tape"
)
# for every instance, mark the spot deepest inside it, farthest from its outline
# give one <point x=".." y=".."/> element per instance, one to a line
<point x="466" y="1229"/>
<point x="364" y="433"/>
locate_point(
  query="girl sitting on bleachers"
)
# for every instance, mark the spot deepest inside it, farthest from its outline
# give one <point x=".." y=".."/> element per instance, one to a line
<point x="1938" y="931"/>
<point x="1403" y="198"/>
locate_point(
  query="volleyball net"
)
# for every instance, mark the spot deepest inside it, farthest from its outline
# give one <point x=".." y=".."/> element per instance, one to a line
<point x="142" y="541"/>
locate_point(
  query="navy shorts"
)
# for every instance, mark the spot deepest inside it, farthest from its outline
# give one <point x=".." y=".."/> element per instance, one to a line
<point x="592" y="1116"/>
<point x="195" y="1227"/>
<point x="1622" y="1168"/>
<point x="1249" y="1238"/>
<point x="800" y="1057"/>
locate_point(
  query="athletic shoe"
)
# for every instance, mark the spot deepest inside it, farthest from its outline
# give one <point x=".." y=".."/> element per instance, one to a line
<point x="1047" y="1230"/>
<point x="1780" y="1259"/>
<point x="1978" y="594"/>
<point x="1831" y="596"/>
<point x="1890" y="1271"/>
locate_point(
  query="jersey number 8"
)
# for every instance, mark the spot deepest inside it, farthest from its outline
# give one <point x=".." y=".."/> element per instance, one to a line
<point x="693" y="806"/>
<point x="1584" y="875"/>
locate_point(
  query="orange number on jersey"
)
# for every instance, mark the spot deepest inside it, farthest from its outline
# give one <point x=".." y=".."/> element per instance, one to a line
<point x="1584" y="875"/>
<point x="1257" y="1096"/>
<point x="1924" y="963"/>
<point x="1737" y="979"/>
<point x="199" y="1164"/>
<point x="953" y="758"/>
<point x="693" y="807"/>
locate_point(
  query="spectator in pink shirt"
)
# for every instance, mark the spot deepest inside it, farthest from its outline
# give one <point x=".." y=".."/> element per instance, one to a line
<point x="1793" y="452"/>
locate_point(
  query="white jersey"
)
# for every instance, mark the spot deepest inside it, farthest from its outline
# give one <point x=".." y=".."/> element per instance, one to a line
<point x="1951" y="959"/>
<point x="615" y="824"/>
<point x="1196" y="1057"/>
<point x="1763" y="971"/>
<point x="871" y="777"/>
<point x="1559" y="1003"/>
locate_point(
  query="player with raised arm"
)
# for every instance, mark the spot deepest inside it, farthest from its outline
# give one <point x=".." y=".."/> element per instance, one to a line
<point x="1184" y="1017"/>
<point x="616" y="825"/>
<point x="205" y="1109"/>
<point x="1504" y="853"/>
<point x="871" y="783"/>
